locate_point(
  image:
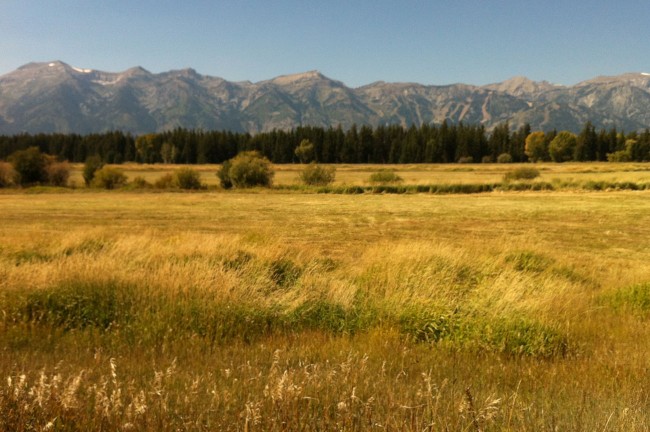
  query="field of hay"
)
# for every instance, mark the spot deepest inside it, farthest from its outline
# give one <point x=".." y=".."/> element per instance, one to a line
<point x="270" y="311"/>
<point x="414" y="174"/>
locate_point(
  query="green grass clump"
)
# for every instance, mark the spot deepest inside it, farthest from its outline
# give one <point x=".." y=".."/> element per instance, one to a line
<point x="520" y="336"/>
<point x="284" y="272"/>
<point x="429" y="325"/>
<point x="527" y="186"/>
<point x="79" y="304"/>
<point x="461" y="188"/>
<point x="385" y="177"/>
<point x="522" y="173"/>
<point x="502" y="335"/>
<point x="322" y="315"/>
<point x="602" y="185"/>
<point x="29" y="257"/>
<point x="529" y="261"/>
<point x="436" y="189"/>
<point x="634" y="299"/>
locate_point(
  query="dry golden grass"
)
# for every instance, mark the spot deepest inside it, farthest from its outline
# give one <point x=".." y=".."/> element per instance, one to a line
<point x="414" y="174"/>
<point x="272" y="311"/>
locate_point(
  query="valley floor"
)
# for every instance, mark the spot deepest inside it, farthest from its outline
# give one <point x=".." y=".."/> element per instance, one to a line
<point x="248" y="311"/>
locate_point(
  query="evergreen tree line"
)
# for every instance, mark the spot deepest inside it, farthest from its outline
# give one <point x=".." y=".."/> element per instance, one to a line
<point x="444" y="143"/>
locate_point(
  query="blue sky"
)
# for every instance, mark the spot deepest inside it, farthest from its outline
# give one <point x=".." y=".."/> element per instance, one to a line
<point x="357" y="42"/>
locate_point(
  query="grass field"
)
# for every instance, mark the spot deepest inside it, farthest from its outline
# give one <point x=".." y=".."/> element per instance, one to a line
<point x="502" y="311"/>
<point x="417" y="174"/>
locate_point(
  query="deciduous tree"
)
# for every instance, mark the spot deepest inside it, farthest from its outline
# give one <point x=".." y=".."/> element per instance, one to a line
<point x="562" y="148"/>
<point x="536" y="148"/>
<point x="30" y="166"/>
<point x="305" y="151"/>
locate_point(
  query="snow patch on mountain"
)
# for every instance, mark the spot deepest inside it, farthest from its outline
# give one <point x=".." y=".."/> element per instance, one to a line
<point x="105" y="82"/>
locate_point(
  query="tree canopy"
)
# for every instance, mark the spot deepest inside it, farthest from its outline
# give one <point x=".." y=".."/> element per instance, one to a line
<point x="443" y="143"/>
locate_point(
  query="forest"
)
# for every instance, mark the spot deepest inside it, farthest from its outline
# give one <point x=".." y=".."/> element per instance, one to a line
<point x="390" y="144"/>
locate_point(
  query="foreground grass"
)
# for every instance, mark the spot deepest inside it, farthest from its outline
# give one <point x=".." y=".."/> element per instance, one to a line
<point x="522" y="311"/>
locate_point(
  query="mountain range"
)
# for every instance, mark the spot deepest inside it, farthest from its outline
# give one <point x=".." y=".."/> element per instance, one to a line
<point x="56" y="97"/>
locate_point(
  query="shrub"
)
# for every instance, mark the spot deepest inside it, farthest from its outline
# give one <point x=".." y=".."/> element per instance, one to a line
<point x="187" y="178"/>
<point x="504" y="158"/>
<point x="109" y="178"/>
<point x="139" y="182"/>
<point x="523" y="173"/>
<point x="305" y="151"/>
<point x="30" y="166"/>
<point x="58" y="173"/>
<point x="619" y="156"/>
<point x="384" y="177"/>
<point x="247" y="169"/>
<point x="224" y="175"/>
<point x="466" y="160"/>
<point x="486" y="159"/>
<point x="164" y="182"/>
<point x="92" y="165"/>
<point x="7" y="175"/>
<point x="317" y="175"/>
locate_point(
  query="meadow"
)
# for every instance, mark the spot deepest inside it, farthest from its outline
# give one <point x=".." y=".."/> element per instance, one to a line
<point x="285" y="310"/>
<point x="415" y="174"/>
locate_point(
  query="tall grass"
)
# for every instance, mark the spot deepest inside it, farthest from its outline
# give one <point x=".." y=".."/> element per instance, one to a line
<point x="324" y="312"/>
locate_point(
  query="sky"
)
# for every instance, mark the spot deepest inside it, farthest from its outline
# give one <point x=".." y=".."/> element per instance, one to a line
<point x="356" y="42"/>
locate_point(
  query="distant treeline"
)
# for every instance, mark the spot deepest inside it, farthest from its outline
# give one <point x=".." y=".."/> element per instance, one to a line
<point x="445" y="143"/>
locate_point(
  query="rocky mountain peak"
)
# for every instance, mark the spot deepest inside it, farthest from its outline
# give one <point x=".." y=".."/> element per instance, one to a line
<point x="57" y="97"/>
<point x="522" y="86"/>
<point x="312" y="75"/>
<point x="638" y="79"/>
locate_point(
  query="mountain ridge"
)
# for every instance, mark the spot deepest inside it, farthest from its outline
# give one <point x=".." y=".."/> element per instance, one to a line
<point x="57" y="97"/>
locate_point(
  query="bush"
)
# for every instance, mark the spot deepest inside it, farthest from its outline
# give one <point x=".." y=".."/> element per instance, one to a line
<point x="92" y="165"/>
<point x="30" y="166"/>
<point x="247" y="169"/>
<point x="385" y="177"/>
<point x="486" y="159"/>
<point x="187" y="178"/>
<point x="305" y="151"/>
<point x="317" y="175"/>
<point x="164" y="182"/>
<point x="7" y="175"/>
<point x="224" y="175"/>
<point x="139" y="182"/>
<point x="504" y="158"/>
<point x="619" y="156"/>
<point x="58" y="173"/>
<point x="109" y="178"/>
<point x="466" y="160"/>
<point x="523" y="173"/>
